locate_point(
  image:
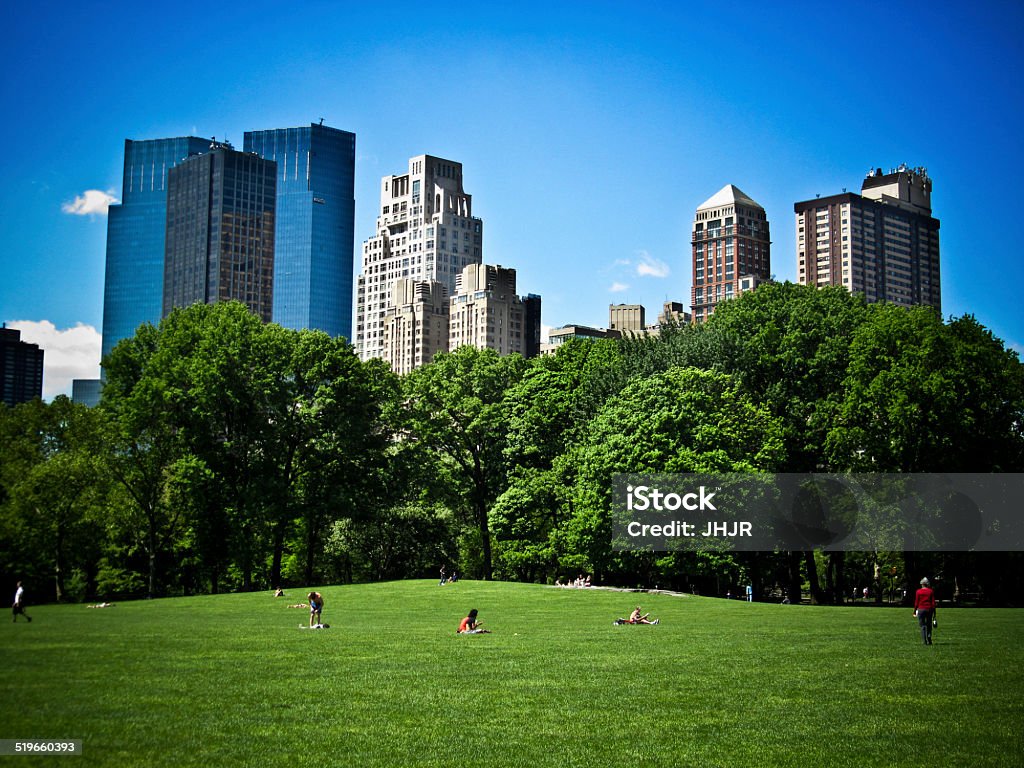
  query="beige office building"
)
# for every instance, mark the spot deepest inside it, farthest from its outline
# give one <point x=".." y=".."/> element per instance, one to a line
<point x="627" y="319"/>
<point x="426" y="231"/>
<point x="883" y="243"/>
<point x="485" y="311"/>
<point x="731" y="241"/>
<point x="415" y="325"/>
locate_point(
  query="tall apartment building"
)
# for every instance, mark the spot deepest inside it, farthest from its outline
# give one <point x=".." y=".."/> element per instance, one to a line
<point x="731" y="241"/>
<point x="220" y="231"/>
<point x="134" y="281"/>
<point x="415" y="326"/>
<point x="425" y="231"/>
<point x="486" y="312"/>
<point x="315" y="224"/>
<point x="883" y="243"/>
<point x="21" y="368"/>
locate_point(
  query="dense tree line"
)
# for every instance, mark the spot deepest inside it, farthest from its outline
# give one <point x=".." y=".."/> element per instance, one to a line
<point x="232" y="455"/>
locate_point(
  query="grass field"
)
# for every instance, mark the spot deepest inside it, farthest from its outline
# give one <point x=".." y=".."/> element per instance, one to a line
<point x="232" y="680"/>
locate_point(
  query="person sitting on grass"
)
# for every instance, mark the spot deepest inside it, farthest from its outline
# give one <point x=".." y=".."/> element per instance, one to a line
<point x="470" y="626"/>
<point x="316" y="607"/>
<point x="636" y="618"/>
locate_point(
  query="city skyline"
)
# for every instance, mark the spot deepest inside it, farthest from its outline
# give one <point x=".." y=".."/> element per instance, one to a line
<point x="588" y="133"/>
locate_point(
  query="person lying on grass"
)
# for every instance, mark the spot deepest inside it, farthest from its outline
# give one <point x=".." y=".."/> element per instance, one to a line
<point x="636" y="618"/>
<point x="470" y="626"/>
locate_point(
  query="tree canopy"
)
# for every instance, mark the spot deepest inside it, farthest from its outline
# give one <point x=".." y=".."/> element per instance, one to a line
<point x="232" y="454"/>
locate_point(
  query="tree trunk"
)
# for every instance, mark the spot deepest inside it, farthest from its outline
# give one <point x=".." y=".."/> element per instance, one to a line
<point x="793" y="588"/>
<point x="275" y="567"/>
<point x="151" y="589"/>
<point x="311" y="535"/>
<point x="840" y="576"/>
<point x="480" y="503"/>
<point x="817" y="595"/>
<point x="59" y="565"/>
<point x="913" y="578"/>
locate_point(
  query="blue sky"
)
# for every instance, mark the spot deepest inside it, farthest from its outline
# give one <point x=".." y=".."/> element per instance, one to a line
<point x="588" y="132"/>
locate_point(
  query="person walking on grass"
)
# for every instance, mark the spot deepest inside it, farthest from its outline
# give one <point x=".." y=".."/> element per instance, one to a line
<point x="19" y="604"/>
<point x="924" y="609"/>
<point x="316" y="608"/>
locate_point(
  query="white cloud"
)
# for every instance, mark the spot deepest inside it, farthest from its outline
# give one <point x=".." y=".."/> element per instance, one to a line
<point x="618" y="287"/>
<point x="68" y="353"/>
<point x="92" y="202"/>
<point x="649" y="266"/>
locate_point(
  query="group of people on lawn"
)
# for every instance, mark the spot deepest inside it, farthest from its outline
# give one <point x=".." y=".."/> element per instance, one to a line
<point x="579" y="582"/>
<point x="924" y="610"/>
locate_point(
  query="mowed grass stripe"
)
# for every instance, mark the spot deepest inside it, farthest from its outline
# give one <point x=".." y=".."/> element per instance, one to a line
<point x="233" y="680"/>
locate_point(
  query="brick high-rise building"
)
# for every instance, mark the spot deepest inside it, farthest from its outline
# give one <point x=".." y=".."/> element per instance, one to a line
<point x="883" y="243"/>
<point x="731" y="241"/>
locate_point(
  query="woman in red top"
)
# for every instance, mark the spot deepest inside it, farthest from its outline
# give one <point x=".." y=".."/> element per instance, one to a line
<point x="470" y="626"/>
<point x="924" y="609"/>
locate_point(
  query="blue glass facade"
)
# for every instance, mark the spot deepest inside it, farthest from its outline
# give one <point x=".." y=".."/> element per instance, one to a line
<point x="220" y="231"/>
<point x="133" y="288"/>
<point x="315" y="234"/>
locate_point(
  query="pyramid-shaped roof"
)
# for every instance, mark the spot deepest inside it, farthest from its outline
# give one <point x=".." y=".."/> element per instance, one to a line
<point x="726" y="195"/>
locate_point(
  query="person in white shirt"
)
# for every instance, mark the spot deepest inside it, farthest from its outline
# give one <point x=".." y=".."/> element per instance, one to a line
<point x="19" y="604"/>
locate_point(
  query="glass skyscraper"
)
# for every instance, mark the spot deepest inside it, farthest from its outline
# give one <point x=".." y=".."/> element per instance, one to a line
<point x="313" y="252"/>
<point x="134" y="283"/>
<point x="220" y="231"/>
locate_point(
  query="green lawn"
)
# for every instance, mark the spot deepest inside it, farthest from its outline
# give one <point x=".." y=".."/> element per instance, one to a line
<point x="232" y="680"/>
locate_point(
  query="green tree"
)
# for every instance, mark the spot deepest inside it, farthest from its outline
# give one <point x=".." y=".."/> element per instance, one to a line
<point x="683" y="420"/>
<point x="143" y="442"/>
<point x="53" y="489"/>
<point x="789" y="347"/>
<point x="455" y="406"/>
<point x="921" y="396"/>
<point x="267" y="431"/>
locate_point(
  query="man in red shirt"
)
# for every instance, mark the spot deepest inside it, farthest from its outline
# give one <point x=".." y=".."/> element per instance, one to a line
<point x="924" y="609"/>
